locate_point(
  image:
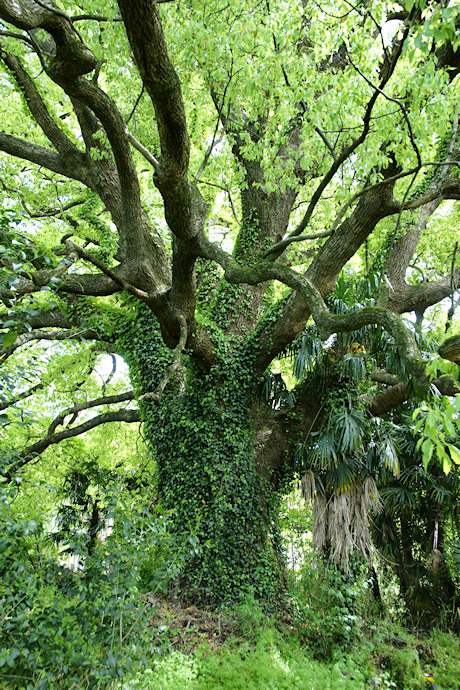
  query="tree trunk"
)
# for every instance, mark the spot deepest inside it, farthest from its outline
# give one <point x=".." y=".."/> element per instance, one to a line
<point x="203" y="441"/>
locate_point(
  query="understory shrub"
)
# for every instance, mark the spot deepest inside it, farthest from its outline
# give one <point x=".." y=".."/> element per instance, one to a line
<point x="324" y="605"/>
<point x="78" y="628"/>
<point x="270" y="665"/>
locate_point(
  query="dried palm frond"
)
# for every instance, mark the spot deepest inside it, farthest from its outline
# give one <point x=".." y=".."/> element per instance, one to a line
<point x="434" y="560"/>
<point x="308" y="486"/>
<point x="319" y="522"/>
<point x="341" y="525"/>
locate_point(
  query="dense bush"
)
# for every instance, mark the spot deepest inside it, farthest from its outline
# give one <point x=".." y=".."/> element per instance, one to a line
<point x="63" y="627"/>
<point x="324" y="604"/>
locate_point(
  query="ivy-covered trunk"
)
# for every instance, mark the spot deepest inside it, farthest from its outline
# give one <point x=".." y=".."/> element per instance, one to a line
<point x="202" y="437"/>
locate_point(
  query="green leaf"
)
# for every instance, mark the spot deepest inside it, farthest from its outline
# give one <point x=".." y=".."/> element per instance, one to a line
<point x="427" y="452"/>
<point x="9" y="338"/>
<point x="454" y="453"/>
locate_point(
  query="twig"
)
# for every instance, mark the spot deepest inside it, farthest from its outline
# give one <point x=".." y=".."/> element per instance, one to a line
<point x="326" y="141"/>
<point x="227" y="191"/>
<point x="136" y="104"/>
<point x="207" y="155"/>
<point x="392" y="100"/>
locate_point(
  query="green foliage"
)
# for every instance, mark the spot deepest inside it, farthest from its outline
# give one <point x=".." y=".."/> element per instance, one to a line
<point x="417" y="531"/>
<point x="324" y="604"/>
<point x="78" y="628"/>
<point x="379" y="654"/>
<point x="446" y="651"/>
<point x="58" y="625"/>
<point x="438" y="427"/>
<point x="270" y="664"/>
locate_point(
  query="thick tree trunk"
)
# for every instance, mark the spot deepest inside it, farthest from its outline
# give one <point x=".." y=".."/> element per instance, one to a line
<point x="204" y="441"/>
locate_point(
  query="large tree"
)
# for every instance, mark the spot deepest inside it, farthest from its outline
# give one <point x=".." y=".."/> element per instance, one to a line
<point x="193" y="177"/>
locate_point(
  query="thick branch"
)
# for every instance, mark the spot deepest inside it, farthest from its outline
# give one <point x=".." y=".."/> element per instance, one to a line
<point x="325" y="267"/>
<point x="72" y="57"/>
<point x="419" y="297"/>
<point x="450" y="349"/>
<point x="39" y="111"/>
<point x="326" y="322"/>
<point x="140" y="294"/>
<point x="37" y="154"/>
<point x="387" y="400"/>
<point x="145" y="34"/>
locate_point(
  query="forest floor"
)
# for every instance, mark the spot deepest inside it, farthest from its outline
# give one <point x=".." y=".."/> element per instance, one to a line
<point x="189" y="627"/>
<point x="231" y="649"/>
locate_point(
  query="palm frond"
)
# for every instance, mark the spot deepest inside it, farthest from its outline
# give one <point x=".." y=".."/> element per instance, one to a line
<point x="348" y="426"/>
<point x="398" y="499"/>
<point x="389" y="455"/>
<point x="353" y="367"/>
<point x="309" y="353"/>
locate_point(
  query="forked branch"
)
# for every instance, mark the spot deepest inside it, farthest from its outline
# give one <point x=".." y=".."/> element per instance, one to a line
<point x="156" y="395"/>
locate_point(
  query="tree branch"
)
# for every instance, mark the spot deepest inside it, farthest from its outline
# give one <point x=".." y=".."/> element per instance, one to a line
<point x="140" y="294"/>
<point x="327" y="323"/>
<point x="145" y="35"/>
<point x="392" y="397"/>
<point x="281" y="246"/>
<point x="349" y="150"/>
<point x="22" y="396"/>
<point x="23" y="339"/>
<point x="419" y="297"/>
<point x="76" y="409"/>
<point x="31" y="452"/>
<point x="39" y="155"/>
<point x="142" y="150"/>
<point x="64" y="146"/>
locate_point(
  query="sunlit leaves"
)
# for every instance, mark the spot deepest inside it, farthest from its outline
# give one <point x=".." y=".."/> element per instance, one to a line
<point x="438" y="424"/>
